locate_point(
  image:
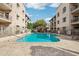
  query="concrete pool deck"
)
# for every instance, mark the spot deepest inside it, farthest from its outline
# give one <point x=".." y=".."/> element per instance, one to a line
<point x="9" y="47"/>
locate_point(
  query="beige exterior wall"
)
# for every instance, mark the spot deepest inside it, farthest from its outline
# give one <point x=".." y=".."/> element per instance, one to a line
<point x="15" y="24"/>
<point x="72" y="18"/>
<point x="5" y="20"/>
<point x="66" y="14"/>
<point x="53" y="24"/>
<point x="20" y="22"/>
<point x="69" y="17"/>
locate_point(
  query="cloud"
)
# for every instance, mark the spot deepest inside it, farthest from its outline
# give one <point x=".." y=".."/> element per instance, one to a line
<point x="39" y="6"/>
<point x="29" y="15"/>
<point x="54" y="5"/>
<point x="47" y="19"/>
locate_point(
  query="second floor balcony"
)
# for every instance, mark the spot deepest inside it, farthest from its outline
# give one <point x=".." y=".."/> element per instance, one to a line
<point x="75" y="20"/>
<point x="4" y="18"/>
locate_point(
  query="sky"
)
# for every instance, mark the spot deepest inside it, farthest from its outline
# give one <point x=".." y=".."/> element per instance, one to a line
<point x="38" y="11"/>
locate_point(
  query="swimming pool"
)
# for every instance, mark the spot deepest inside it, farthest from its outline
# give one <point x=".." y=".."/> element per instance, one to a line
<point x="39" y="37"/>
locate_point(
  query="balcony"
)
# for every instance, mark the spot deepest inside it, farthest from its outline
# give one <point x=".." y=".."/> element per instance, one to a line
<point x="5" y="6"/>
<point x="4" y="18"/>
<point x="75" y="8"/>
<point x="75" y="20"/>
<point x="75" y="31"/>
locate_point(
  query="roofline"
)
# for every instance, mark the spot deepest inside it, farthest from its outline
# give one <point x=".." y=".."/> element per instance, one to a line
<point x="56" y="11"/>
<point x="52" y="17"/>
<point x="59" y="5"/>
<point x="27" y="16"/>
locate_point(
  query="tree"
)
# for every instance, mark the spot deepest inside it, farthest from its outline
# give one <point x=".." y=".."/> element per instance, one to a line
<point x="30" y="26"/>
<point x="40" y="25"/>
<point x="40" y="22"/>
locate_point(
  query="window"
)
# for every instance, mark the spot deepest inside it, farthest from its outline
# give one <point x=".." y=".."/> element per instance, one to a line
<point x="17" y="26"/>
<point x="23" y="19"/>
<point x="58" y="14"/>
<point x="64" y="28"/>
<point x="64" y="9"/>
<point x="23" y="11"/>
<point x="57" y="28"/>
<point x="7" y="15"/>
<point x="18" y="5"/>
<point x="64" y="19"/>
<point x="58" y="21"/>
<point x="22" y="27"/>
<point x="17" y="16"/>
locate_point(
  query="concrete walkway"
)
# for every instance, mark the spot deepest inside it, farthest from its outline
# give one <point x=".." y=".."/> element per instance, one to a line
<point x="9" y="46"/>
<point x="23" y="49"/>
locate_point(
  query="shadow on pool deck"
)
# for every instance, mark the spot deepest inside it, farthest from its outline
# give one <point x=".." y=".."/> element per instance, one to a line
<point x="48" y="51"/>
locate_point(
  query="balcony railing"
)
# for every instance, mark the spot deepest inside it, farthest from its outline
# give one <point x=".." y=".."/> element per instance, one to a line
<point x="75" y="19"/>
<point x="75" y="31"/>
<point x="4" y="16"/>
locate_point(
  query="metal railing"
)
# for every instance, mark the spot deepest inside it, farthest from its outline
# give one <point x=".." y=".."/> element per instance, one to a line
<point x="4" y="16"/>
<point x="75" y="19"/>
<point x="75" y="31"/>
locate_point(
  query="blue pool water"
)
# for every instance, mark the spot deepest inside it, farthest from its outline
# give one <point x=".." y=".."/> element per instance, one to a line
<point x="39" y="37"/>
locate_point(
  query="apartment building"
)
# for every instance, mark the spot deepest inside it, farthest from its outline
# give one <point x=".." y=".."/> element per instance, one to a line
<point x="75" y="18"/>
<point x="12" y="18"/>
<point x="63" y="18"/>
<point x="26" y="21"/>
<point x="53" y="24"/>
<point x="67" y="18"/>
